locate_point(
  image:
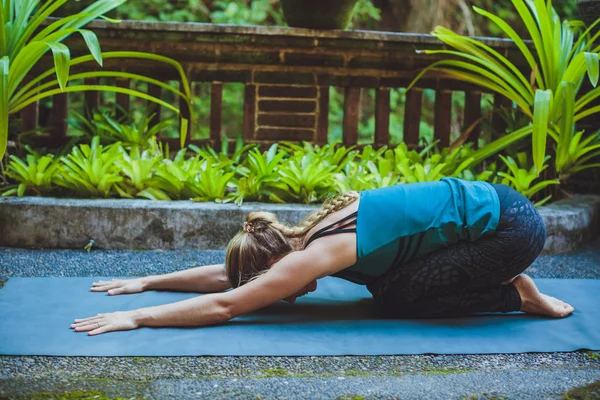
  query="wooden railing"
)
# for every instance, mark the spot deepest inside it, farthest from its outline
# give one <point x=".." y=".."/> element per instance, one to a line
<point x="287" y="74"/>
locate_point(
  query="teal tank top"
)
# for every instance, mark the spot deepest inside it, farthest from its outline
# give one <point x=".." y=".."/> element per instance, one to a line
<point x="397" y="224"/>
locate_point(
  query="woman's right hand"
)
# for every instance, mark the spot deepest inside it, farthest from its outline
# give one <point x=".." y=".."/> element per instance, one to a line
<point x="119" y="286"/>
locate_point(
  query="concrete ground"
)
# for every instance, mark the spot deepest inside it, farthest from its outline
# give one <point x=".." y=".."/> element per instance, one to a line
<point x="498" y="376"/>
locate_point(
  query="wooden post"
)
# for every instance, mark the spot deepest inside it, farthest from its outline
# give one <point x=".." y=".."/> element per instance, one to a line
<point x="155" y="91"/>
<point x="382" y="116"/>
<point x="472" y="114"/>
<point x="412" y="117"/>
<point x="30" y="115"/>
<point x="323" y="115"/>
<point x="91" y="97"/>
<point x="249" y="112"/>
<point x="123" y="99"/>
<point x="443" y="117"/>
<point x="60" y="113"/>
<point x="351" y="115"/>
<point x="216" y="114"/>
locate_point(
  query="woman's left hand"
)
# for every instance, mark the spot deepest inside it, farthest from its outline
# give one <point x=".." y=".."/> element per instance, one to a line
<point x="111" y="322"/>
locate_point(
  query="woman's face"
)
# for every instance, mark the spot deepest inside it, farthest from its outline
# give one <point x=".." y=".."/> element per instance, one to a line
<point x="311" y="287"/>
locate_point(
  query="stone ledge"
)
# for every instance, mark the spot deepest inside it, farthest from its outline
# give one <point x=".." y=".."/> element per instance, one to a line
<point x="570" y="223"/>
<point x="38" y="222"/>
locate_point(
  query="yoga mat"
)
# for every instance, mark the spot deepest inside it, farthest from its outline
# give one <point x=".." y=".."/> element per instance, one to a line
<point x="338" y="319"/>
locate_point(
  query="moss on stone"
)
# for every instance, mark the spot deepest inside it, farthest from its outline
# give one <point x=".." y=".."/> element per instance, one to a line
<point x="349" y="397"/>
<point x="594" y="356"/>
<point x="275" y="373"/>
<point x="445" y="371"/>
<point x="93" y="394"/>
<point x="587" y="392"/>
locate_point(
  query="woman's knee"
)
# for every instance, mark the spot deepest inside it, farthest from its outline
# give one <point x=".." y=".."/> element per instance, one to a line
<point x="522" y="229"/>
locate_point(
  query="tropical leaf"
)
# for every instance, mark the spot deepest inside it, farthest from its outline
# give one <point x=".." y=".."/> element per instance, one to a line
<point x="24" y="41"/>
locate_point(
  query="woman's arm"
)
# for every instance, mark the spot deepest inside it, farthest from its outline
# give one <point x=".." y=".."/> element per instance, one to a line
<point x="211" y="278"/>
<point x="285" y="278"/>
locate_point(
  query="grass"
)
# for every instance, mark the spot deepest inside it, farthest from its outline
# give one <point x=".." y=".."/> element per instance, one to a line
<point x="587" y="392"/>
<point x="275" y="373"/>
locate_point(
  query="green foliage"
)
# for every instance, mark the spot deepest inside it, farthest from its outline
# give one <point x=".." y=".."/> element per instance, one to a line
<point x="574" y="150"/>
<point x="259" y="171"/>
<point x="90" y="170"/>
<point x="302" y="179"/>
<point x="521" y="179"/>
<point x="36" y="174"/>
<point x="174" y="176"/>
<point x="224" y="159"/>
<point x="24" y="40"/>
<point x="110" y="129"/>
<point x="138" y="170"/>
<point x="562" y="53"/>
<point x="287" y="173"/>
<point x="239" y="12"/>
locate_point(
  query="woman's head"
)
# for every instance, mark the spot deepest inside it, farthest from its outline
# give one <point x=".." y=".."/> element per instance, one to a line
<point x="264" y="240"/>
<point x="251" y="251"/>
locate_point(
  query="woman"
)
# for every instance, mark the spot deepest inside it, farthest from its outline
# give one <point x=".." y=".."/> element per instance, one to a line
<point x="423" y="250"/>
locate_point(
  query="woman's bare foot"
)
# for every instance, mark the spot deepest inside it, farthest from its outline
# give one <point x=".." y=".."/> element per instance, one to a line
<point x="534" y="302"/>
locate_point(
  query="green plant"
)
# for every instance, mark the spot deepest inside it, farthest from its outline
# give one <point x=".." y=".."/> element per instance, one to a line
<point x="24" y="39"/>
<point x="303" y="180"/>
<point x="34" y="174"/>
<point x="370" y="175"/>
<point x="239" y="12"/>
<point x="330" y="154"/>
<point x="90" y="170"/>
<point x="260" y="170"/>
<point x="211" y="184"/>
<point x="574" y="152"/>
<point x="521" y="179"/>
<point x="174" y="176"/>
<point x="122" y="128"/>
<point x="561" y="53"/>
<point x="139" y="170"/>
<point x="224" y="159"/>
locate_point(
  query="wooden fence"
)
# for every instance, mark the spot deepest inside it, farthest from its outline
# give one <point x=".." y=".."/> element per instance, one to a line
<point x="286" y="75"/>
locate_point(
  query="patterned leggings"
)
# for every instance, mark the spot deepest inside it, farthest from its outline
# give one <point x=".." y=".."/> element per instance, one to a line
<point x="467" y="277"/>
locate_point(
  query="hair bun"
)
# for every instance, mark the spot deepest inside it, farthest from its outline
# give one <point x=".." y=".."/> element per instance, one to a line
<point x="259" y="220"/>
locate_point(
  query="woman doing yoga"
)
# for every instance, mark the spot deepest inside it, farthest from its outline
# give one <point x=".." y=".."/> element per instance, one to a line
<point x="423" y="250"/>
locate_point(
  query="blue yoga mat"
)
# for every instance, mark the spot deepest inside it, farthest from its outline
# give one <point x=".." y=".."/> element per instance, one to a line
<point x="338" y="319"/>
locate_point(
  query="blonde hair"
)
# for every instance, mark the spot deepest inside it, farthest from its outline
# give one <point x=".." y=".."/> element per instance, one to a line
<point x="264" y="239"/>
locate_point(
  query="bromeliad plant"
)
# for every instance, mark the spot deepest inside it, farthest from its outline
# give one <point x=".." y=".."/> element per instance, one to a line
<point x="275" y="175"/>
<point x="522" y="179"/>
<point x="36" y="174"/>
<point x="260" y="171"/>
<point x="112" y="128"/>
<point x="90" y="170"/>
<point x="25" y="39"/>
<point x="575" y="151"/>
<point x="561" y="52"/>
